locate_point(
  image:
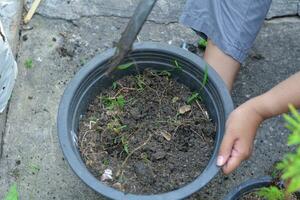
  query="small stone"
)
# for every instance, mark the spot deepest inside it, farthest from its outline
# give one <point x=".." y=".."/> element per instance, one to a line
<point x="107" y="175"/>
<point x="27" y="27"/>
<point x="18" y="162"/>
<point x="25" y="38"/>
<point x="185" y="109"/>
<point x="159" y="155"/>
<point x="166" y="135"/>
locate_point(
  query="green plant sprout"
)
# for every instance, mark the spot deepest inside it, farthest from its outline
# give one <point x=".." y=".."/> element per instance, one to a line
<point x="28" y="63"/>
<point x="12" y="193"/>
<point x="205" y="77"/>
<point x="124" y="66"/>
<point x="177" y="66"/>
<point x="115" y="126"/>
<point x="124" y="142"/>
<point x="145" y="158"/>
<point x="105" y="162"/>
<point x="290" y="164"/>
<point x="114" y="102"/>
<point x="271" y="193"/>
<point x="114" y="85"/>
<point x="164" y="73"/>
<point x="197" y="95"/>
<point x="140" y="82"/>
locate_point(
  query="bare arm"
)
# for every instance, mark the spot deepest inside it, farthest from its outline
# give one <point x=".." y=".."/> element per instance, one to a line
<point x="243" y="122"/>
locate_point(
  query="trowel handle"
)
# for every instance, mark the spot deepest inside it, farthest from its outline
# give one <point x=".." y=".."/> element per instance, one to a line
<point x="136" y="22"/>
<point x="129" y="35"/>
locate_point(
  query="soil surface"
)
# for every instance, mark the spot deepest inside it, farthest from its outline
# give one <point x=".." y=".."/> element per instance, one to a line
<point x="251" y="196"/>
<point x="141" y="136"/>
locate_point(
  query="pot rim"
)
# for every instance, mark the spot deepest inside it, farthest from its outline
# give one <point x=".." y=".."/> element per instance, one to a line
<point x="82" y="172"/>
<point x="247" y="186"/>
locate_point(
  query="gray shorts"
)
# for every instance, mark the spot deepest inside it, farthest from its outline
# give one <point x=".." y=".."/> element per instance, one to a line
<point x="232" y="25"/>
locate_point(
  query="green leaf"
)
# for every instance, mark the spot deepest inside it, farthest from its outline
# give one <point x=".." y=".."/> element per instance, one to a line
<point x="202" y="42"/>
<point x="114" y="85"/>
<point x="271" y="193"/>
<point x="295" y="113"/>
<point x="126" y="148"/>
<point x="294" y="184"/>
<point x="12" y="193"/>
<point x="177" y="66"/>
<point x="164" y="73"/>
<point x="124" y="66"/>
<point x="28" y="63"/>
<point x="193" y="98"/>
<point x="205" y="77"/>
<point x="121" y="101"/>
<point x="294" y="139"/>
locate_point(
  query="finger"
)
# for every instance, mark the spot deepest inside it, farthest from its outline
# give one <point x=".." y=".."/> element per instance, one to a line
<point x="225" y="149"/>
<point x="234" y="161"/>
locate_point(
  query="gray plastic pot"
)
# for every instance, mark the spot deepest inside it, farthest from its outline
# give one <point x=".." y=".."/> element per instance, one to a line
<point x="248" y="187"/>
<point x="89" y="81"/>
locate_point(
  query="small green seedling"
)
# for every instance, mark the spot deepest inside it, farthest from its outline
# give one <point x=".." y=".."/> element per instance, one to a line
<point x="177" y="66"/>
<point x="114" y="85"/>
<point x="114" y="102"/>
<point x="164" y="73"/>
<point x="145" y="158"/>
<point x="28" y="63"/>
<point x="196" y="95"/>
<point x="125" y="66"/>
<point x="115" y="126"/>
<point x="105" y="162"/>
<point x="205" y="77"/>
<point x="124" y="142"/>
<point x="290" y="165"/>
<point x="140" y="82"/>
<point x="12" y="193"/>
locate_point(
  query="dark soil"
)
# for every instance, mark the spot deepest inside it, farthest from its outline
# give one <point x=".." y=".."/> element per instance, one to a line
<point x="135" y="129"/>
<point x="251" y="196"/>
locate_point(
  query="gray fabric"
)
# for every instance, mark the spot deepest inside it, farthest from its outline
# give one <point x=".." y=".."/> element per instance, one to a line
<point x="232" y="25"/>
<point x="8" y="70"/>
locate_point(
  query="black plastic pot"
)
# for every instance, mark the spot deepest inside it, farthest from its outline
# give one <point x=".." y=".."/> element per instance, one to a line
<point x="248" y="187"/>
<point x="89" y="81"/>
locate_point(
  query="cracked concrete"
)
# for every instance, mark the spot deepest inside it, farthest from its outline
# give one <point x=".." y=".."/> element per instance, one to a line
<point x="31" y="154"/>
<point x="164" y="12"/>
<point x="281" y="8"/>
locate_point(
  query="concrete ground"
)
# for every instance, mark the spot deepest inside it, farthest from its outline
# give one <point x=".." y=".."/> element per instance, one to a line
<point x="83" y="28"/>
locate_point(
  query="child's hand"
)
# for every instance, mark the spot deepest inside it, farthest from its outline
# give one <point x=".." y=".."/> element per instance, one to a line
<point x="238" y="140"/>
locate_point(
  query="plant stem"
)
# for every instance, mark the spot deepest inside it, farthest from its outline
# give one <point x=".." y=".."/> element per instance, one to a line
<point x="130" y="154"/>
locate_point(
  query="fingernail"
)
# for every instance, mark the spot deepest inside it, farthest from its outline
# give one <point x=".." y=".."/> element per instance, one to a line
<point x="220" y="161"/>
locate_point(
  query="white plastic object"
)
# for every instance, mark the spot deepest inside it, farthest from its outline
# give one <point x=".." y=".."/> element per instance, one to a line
<point x="8" y="70"/>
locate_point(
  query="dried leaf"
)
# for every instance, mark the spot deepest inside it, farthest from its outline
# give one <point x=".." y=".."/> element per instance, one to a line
<point x="175" y="99"/>
<point x="118" y="186"/>
<point x="166" y="135"/>
<point x="185" y="109"/>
